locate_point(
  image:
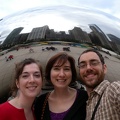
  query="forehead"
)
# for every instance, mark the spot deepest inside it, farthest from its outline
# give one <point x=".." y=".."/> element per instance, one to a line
<point x="89" y="56"/>
<point x="29" y="67"/>
<point x="61" y="63"/>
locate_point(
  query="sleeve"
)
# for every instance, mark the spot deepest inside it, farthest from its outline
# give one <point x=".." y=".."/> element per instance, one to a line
<point x="114" y="95"/>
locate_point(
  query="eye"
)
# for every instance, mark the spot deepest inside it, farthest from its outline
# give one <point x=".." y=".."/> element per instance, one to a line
<point x="94" y="63"/>
<point x="67" y="69"/>
<point x="56" y="68"/>
<point x="24" y="76"/>
<point x="82" y="65"/>
<point x="37" y="75"/>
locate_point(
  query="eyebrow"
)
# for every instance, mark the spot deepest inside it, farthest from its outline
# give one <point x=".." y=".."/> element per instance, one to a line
<point x="60" y="66"/>
<point x="89" y="61"/>
<point x="28" y="72"/>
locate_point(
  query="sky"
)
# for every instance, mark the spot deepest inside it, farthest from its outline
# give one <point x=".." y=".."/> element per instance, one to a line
<point x="60" y="15"/>
<point x="8" y="7"/>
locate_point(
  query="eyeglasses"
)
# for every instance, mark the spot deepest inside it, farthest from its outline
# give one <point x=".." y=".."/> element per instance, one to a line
<point x="93" y="63"/>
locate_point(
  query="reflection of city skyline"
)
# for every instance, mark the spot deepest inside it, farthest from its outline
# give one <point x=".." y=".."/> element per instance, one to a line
<point x="44" y="33"/>
<point x="60" y="18"/>
<point x="65" y="22"/>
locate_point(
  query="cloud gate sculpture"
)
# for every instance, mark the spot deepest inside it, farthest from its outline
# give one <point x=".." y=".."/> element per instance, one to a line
<point x="40" y="28"/>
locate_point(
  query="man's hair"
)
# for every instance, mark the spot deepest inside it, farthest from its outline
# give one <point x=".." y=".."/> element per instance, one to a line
<point x="95" y="51"/>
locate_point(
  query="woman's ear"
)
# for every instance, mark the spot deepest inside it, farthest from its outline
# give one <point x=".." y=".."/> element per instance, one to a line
<point x="17" y="83"/>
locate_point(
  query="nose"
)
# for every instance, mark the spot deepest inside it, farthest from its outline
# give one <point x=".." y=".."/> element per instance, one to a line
<point x="88" y="66"/>
<point x="31" y="79"/>
<point x="62" y="73"/>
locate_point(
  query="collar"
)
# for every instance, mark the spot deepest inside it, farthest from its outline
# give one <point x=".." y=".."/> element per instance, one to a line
<point x="100" y="88"/>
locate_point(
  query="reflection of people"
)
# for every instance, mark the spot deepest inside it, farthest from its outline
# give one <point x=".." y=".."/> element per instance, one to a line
<point x="27" y="85"/>
<point x="10" y="57"/>
<point x="6" y="58"/>
<point x="64" y="102"/>
<point x="92" y="70"/>
<point x="31" y="50"/>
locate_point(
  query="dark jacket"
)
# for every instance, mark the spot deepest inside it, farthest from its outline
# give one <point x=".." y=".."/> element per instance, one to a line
<point x="76" y="112"/>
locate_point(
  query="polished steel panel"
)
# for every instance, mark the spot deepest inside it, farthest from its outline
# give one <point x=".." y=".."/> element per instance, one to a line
<point x="79" y="25"/>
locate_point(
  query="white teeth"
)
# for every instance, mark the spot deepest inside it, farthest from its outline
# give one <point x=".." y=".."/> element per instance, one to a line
<point x="31" y="88"/>
<point x="90" y="75"/>
<point x="61" y="80"/>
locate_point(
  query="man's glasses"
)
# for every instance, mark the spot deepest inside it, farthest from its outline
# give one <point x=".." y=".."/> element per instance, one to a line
<point x="93" y="63"/>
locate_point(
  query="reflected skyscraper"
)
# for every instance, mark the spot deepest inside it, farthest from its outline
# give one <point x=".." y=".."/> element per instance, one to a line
<point x="102" y="37"/>
<point x="79" y="35"/>
<point x="37" y="33"/>
<point x="10" y="39"/>
<point x="115" y="43"/>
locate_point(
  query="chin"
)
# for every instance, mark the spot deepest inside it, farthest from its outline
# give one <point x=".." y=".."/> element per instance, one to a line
<point x="33" y="95"/>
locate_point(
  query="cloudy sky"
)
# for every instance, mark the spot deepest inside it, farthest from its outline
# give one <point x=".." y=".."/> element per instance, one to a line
<point x="8" y="7"/>
<point x="68" y="13"/>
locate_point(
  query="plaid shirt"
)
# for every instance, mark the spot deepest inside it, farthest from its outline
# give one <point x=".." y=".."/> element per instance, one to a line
<point x="109" y="107"/>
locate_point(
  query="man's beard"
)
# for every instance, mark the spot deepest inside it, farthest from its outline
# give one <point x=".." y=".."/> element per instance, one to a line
<point x="96" y="83"/>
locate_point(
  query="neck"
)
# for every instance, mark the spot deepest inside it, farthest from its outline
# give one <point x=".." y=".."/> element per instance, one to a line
<point x="89" y="90"/>
<point x="61" y="93"/>
<point x="22" y="103"/>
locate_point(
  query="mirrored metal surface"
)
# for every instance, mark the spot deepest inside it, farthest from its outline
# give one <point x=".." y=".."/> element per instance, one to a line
<point x="57" y="26"/>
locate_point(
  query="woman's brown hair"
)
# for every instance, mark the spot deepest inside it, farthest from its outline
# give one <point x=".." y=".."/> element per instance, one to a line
<point x="61" y="58"/>
<point x="18" y="71"/>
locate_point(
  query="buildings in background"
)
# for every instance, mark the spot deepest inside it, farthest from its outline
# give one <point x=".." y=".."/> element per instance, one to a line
<point x="96" y="37"/>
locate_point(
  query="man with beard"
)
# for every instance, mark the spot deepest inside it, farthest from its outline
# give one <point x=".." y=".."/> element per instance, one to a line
<point x="104" y="97"/>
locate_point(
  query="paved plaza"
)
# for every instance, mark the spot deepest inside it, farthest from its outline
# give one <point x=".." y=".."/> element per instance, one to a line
<point x="7" y="68"/>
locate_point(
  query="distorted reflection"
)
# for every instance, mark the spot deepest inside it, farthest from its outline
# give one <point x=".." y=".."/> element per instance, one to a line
<point x="49" y="26"/>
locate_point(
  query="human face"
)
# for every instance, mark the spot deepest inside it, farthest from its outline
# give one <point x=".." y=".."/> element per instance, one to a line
<point x="61" y="75"/>
<point x="94" y="72"/>
<point x="30" y="81"/>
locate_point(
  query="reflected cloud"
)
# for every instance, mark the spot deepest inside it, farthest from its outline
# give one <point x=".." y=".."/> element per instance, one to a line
<point x="60" y="18"/>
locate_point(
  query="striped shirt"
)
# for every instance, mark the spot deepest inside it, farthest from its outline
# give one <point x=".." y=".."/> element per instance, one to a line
<point x="109" y="107"/>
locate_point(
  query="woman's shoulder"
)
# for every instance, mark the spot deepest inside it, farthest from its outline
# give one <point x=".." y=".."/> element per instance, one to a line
<point x="39" y="103"/>
<point x="4" y="105"/>
<point x="41" y="98"/>
<point x="5" y="108"/>
<point x="82" y="94"/>
<point x="43" y="95"/>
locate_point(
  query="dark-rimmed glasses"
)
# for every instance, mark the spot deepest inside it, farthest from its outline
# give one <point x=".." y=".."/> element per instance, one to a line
<point x="92" y="63"/>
